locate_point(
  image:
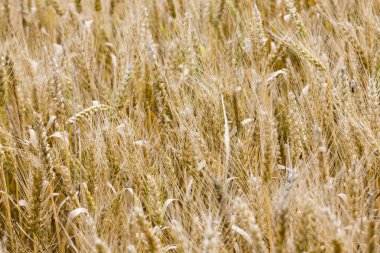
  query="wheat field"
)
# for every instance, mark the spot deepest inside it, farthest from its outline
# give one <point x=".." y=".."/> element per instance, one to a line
<point x="189" y="126"/>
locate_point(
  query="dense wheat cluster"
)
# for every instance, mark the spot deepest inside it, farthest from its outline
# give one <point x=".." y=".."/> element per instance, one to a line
<point x="189" y="126"/>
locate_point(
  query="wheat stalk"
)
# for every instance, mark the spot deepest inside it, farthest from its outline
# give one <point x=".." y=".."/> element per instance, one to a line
<point x="44" y="147"/>
<point x="152" y="241"/>
<point x="98" y="5"/>
<point x="56" y="6"/>
<point x="86" y="113"/>
<point x="304" y="53"/>
<point x="216" y="107"/>
<point x="78" y="6"/>
<point x="8" y="215"/>
<point x="297" y="19"/>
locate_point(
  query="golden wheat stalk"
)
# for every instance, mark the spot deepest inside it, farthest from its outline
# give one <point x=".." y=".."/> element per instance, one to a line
<point x="78" y="6"/>
<point x="56" y="6"/>
<point x="297" y="19"/>
<point x="101" y="247"/>
<point x="5" y="199"/>
<point x="98" y="5"/>
<point x="86" y="113"/>
<point x="3" y="82"/>
<point x="259" y="30"/>
<point x="305" y="54"/>
<point x="122" y="95"/>
<point x="153" y="243"/>
<point x="44" y="147"/>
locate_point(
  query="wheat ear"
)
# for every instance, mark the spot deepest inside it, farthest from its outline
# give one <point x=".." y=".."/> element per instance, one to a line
<point x="78" y="6"/>
<point x="98" y="5"/>
<point x="87" y="113"/>
<point x="153" y="242"/>
<point x="5" y="200"/>
<point x="44" y="146"/>
<point x="297" y="19"/>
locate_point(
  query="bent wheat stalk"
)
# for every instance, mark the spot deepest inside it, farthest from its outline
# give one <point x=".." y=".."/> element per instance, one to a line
<point x="87" y="113"/>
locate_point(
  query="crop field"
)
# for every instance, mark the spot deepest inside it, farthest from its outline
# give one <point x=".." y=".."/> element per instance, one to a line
<point x="189" y="126"/>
